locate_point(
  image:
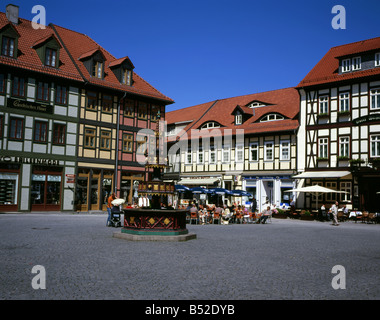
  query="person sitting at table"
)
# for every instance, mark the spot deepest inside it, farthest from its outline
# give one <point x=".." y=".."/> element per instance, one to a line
<point x="239" y="214"/>
<point x="265" y="215"/>
<point x="226" y="215"/>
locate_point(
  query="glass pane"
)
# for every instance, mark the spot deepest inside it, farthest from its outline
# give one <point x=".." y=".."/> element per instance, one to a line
<point x="53" y="192"/>
<point x="8" y="191"/>
<point x="82" y="190"/>
<point x="94" y="191"/>
<point x="38" y="192"/>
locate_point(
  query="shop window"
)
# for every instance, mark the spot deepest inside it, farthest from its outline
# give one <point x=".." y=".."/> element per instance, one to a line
<point x="59" y="133"/>
<point x="8" y="188"/>
<point x="46" y="189"/>
<point x="61" y="95"/>
<point x="89" y="138"/>
<point x="18" y="89"/>
<point x="345" y="186"/>
<point x="40" y="131"/>
<point x="105" y="140"/>
<point x="16" y="129"/>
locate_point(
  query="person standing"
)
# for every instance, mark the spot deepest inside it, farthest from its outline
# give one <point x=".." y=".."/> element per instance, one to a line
<point x="334" y="211"/>
<point x="109" y="207"/>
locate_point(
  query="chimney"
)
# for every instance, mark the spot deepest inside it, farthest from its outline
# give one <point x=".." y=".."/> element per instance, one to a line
<point x="12" y="13"/>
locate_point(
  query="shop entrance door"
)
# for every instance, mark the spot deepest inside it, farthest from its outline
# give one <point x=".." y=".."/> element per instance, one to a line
<point x="46" y="191"/>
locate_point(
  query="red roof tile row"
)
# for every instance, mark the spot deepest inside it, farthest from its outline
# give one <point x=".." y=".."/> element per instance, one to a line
<point x="283" y="101"/>
<point x="75" y="46"/>
<point x="326" y="70"/>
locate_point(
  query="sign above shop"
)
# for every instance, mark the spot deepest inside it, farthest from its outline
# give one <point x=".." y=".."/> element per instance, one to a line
<point x="367" y="118"/>
<point x="30" y="106"/>
<point x="48" y="162"/>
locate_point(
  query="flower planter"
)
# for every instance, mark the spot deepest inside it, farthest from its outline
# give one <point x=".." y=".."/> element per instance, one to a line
<point x="307" y="217"/>
<point x="280" y="216"/>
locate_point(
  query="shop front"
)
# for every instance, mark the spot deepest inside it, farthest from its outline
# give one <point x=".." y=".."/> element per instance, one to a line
<point x="268" y="189"/>
<point x="46" y="188"/>
<point x="9" y="184"/>
<point x="93" y="187"/>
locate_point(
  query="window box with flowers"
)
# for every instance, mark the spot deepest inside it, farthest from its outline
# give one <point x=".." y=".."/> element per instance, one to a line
<point x="321" y="159"/>
<point x="375" y="163"/>
<point x="323" y="115"/>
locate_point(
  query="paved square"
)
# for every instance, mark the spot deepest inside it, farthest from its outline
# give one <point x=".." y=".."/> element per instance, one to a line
<point x="284" y="260"/>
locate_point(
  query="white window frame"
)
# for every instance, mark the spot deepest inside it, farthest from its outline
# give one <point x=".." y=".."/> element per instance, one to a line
<point x="344" y="146"/>
<point x="253" y="146"/>
<point x="346" y="65"/>
<point x="323" y="105"/>
<point x="210" y="124"/>
<point x="375" y="146"/>
<point x="189" y="156"/>
<point x="356" y="63"/>
<point x="377" y="59"/>
<point x="344" y="101"/>
<point x="212" y="152"/>
<point x="345" y="186"/>
<point x="268" y="149"/>
<point x="375" y="99"/>
<point x="238" y="118"/>
<point x="226" y="154"/>
<point x="200" y="156"/>
<point x="283" y="148"/>
<point x="239" y="153"/>
<point x="323" y="148"/>
<point x="272" y="117"/>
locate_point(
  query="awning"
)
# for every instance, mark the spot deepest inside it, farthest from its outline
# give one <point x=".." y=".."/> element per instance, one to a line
<point x="321" y="174"/>
<point x="198" y="182"/>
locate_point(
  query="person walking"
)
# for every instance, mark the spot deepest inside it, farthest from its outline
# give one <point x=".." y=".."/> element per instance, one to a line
<point x="334" y="211"/>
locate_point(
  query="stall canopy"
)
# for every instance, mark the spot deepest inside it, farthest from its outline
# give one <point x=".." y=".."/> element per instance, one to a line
<point x="241" y="193"/>
<point x="199" y="190"/>
<point x="220" y="191"/>
<point x="181" y="188"/>
<point x="316" y="190"/>
<point x="198" y="182"/>
<point x="321" y="174"/>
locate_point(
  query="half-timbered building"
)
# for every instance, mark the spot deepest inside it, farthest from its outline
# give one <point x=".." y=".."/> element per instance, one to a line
<point x="70" y="114"/>
<point x="339" y="136"/>
<point x="246" y="142"/>
<point x="39" y="104"/>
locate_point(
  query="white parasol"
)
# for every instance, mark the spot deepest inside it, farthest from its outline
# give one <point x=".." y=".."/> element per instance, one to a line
<point x="117" y="202"/>
<point x="316" y="189"/>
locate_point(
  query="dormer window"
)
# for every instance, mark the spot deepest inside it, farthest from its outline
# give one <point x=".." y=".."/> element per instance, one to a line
<point x="272" y="117"/>
<point x="238" y="118"/>
<point x="94" y="62"/>
<point x="8" y="41"/>
<point x="97" y="69"/>
<point x="377" y="59"/>
<point x="346" y="65"/>
<point x="123" y="70"/>
<point x="48" y="50"/>
<point x="50" y="57"/>
<point x="7" y="47"/>
<point x="211" y="124"/>
<point x="127" y="77"/>
<point x="356" y="63"/>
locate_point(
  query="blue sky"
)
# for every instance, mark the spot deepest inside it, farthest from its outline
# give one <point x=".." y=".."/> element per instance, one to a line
<point x="195" y="51"/>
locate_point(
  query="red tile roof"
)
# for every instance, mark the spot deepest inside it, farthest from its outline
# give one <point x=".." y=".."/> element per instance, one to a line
<point x="75" y="46"/>
<point x="80" y="45"/>
<point x="326" y="70"/>
<point x="28" y="57"/>
<point x="283" y="101"/>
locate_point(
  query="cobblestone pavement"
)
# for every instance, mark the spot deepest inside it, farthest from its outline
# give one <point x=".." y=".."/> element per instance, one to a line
<point x="287" y="259"/>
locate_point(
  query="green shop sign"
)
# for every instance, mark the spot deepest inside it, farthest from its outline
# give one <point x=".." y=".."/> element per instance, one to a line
<point x="365" y="119"/>
<point x="30" y="106"/>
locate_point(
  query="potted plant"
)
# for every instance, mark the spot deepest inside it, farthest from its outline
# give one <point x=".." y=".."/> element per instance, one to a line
<point x="307" y="215"/>
<point x="279" y="213"/>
